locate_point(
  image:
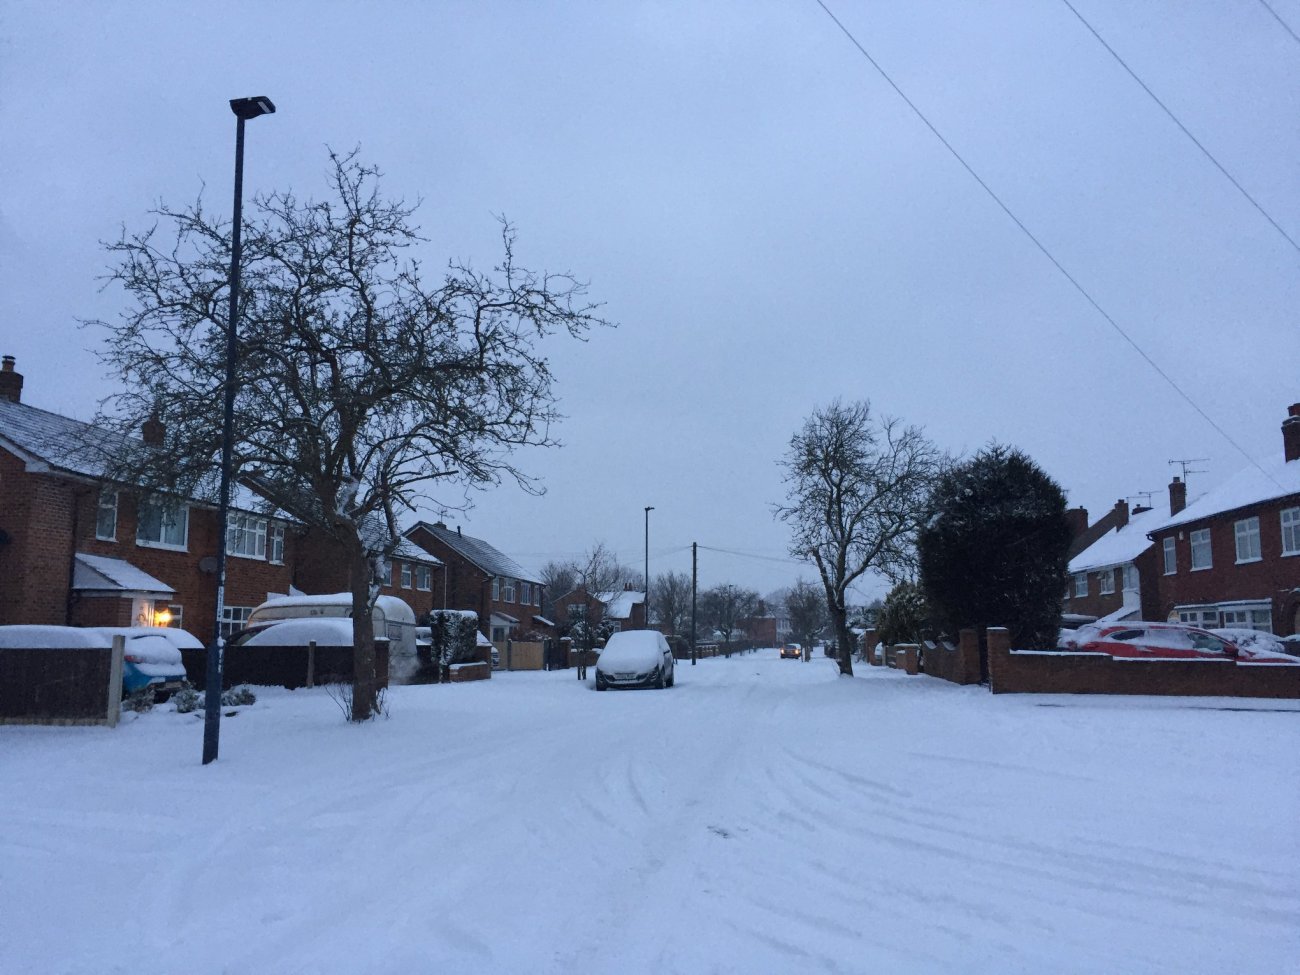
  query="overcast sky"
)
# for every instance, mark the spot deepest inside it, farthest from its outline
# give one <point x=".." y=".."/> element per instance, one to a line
<point x="766" y="220"/>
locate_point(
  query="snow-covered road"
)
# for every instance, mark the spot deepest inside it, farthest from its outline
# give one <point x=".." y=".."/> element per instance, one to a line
<point x="762" y="816"/>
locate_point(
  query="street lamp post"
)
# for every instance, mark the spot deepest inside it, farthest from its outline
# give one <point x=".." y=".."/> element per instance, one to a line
<point x="244" y="109"/>
<point x="647" y="566"/>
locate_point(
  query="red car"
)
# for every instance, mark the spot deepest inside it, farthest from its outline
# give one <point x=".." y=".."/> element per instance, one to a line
<point x="1165" y="641"/>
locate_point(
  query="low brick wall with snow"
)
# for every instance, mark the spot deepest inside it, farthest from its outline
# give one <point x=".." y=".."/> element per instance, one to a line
<point x="959" y="664"/>
<point x="1080" y="672"/>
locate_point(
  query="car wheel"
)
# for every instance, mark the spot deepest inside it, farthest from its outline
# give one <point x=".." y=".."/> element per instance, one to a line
<point x="659" y="680"/>
<point x="600" y="683"/>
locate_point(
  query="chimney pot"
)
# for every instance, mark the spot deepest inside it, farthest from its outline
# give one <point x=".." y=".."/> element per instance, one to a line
<point x="152" y="432"/>
<point x="11" y="382"/>
<point x="1291" y="433"/>
<point x="1177" y="495"/>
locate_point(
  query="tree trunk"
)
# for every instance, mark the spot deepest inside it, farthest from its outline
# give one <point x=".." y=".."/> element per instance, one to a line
<point x="365" y="690"/>
<point x="844" y="639"/>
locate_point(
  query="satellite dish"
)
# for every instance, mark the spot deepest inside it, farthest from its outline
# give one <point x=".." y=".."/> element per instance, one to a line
<point x="208" y="564"/>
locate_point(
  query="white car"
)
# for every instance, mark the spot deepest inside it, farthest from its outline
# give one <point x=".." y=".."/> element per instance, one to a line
<point x="635" y="658"/>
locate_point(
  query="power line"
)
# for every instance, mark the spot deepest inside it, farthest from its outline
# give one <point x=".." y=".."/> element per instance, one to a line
<point x="1285" y="26"/>
<point x="1039" y="244"/>
<point x="1187" y="132"/>
<point x="755" y="555"/>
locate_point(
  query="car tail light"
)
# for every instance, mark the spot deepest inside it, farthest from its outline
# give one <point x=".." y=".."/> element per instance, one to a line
<point x="133" y="658"/>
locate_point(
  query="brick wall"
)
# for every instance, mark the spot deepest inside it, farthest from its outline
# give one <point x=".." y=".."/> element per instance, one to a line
<point x="959" y="664"/>
<point x="320" y="566"/>
<point x="1047" y="672"/>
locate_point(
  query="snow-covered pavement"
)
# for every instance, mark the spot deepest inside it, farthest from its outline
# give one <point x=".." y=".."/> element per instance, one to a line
<point x="762" y="816"/>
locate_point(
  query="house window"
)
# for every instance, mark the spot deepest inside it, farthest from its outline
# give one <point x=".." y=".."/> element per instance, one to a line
<point x="510" y="590"/>
<point x="1081" y="584"/>
<point x="525" y="593"/>
<point x="275" y="544"/>
<point x="246" y="536"/>
<point x="1247" y="531"/>
<point x="1206" y="617"/>
<point x="1291" y="531"/>
<point x="106" y="516"/>
<point x="407" y="575"/>
<point x="496" y="588"/>
<point x="163" y="525"/>
<point x="1130" y="578"/>
<point x="1107" y="581"/>
<point x="537" y="596"/>
<point x="234" y="618"/>
<point x="1171" y="556"/>
<point x="175" y="613"/>
<point x="1258" y="616"/>
<point x="423" y="577"/>
<point x="1201" y="556"/>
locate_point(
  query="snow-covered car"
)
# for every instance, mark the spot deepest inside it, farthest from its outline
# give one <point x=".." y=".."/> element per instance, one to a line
<point x="792" y="650"/>
<point x="152" y="657"/>
<point x="324" y="631"/>
<point x="1174" y="641"/>
<point x="1252" y="640"/>
<point x="635" y="658"/>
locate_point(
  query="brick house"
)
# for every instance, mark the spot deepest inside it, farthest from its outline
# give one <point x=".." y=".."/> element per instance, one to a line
<point x="415" y="576"/>
<point x="1232" y="557"/>
<point x="76" y="550"/>
<point x="476" y="575"/>
<point x="1113" y="575"/>
<point x="621" y="609"/>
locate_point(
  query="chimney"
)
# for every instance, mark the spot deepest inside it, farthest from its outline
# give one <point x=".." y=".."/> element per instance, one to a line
<point x="152" y="431"/>
<point x="1177" y="495"/>
<point x="1077" y="518"/>
<point x="1290" y="426"/>
<point x="11" y="383"/>
<point x="1120" y="514"/>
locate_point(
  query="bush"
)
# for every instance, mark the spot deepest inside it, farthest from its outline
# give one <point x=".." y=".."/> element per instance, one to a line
<point x="993" y="548"/>
<point x="238" y="697"/>
<point x="905" y="615"/>
<point x="187" y="699"/>
<point x="141" y="701"/>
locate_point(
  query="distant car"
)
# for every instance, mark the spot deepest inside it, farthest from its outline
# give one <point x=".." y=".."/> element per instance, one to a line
<point x="635" y="658"/>
<point x="791" y="650"/>
<point x="1172" y="641"/>
<point x="152" y="657"/>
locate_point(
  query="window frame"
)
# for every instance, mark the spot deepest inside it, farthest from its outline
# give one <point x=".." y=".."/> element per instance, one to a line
<point x="1132" y="581"/>
<point x="1080" y="585"/>
<point x="496" y="588"/>
<point x="509" y="590"/>
<point x="244" y="526"/>
<point x="1289" y="521"/>
<point x="424" y="578"/>
<point x="275" y="538"/>
<point x="101" y="508"/>
<point x="234" y="618"/>
<point x="408" y="575"/>
<point x="1170" y="547"/>
<point x="163" y="510"/>
<point x="1247" y="529"/>
<point x="1106" y="582"/>
<point x="1205" y="545"/>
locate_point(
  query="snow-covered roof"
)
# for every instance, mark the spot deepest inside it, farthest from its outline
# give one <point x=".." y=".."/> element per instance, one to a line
<point x="618" y="605"/>
<point x="1251" y="485"/>
<point x="1119" y="546"/>
<point x="99" y="573"/>
<point x="542" y="620"/>
<point x="491" y="560"/>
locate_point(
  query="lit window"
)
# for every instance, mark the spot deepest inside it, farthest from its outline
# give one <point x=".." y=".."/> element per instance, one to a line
<point x="1291" y="531"/>
<point x="406" y="575"/>
<point x="1106" y="580"/>
<point x="1171" y="556"/>
<point x="246" y="536"/>
<point x="106" y="516"/>
<point x="162" y="524"/>
<point x="1081" y="584"/>
<point x="1247" y="531"/>
<point x="1201" y="555"/>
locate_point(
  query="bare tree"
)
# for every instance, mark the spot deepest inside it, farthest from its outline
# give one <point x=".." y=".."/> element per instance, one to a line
<point x="723" y="607"/>
<point x="806" y="605"/>
<point x="856" y="485"/>
<point x="671" y="601"/>
<point x="557" y="578"/>
<point x="359" y="389"/>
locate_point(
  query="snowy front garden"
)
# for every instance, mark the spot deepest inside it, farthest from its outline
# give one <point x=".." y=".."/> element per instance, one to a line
<point x="764" y="815"/>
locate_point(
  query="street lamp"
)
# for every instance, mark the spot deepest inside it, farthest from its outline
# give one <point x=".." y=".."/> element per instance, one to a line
<point x="244" y="109"/>
<point x="647" y="566"/>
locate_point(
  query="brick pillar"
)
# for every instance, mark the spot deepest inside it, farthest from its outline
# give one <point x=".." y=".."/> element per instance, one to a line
<point x="968" y="656"/>
<point x="906" y="659"/>
<point x="999" y="643"/>
<point x="869" y="642"/>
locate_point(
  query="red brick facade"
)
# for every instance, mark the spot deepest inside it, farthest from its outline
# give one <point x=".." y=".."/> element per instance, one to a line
<point x="320" y="567"/>
<point x="595" y="610"/>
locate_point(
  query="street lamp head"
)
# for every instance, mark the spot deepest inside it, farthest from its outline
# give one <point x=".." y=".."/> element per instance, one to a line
<point x="247" y="108"/>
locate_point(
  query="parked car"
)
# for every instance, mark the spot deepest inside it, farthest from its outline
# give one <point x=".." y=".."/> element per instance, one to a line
<point x="1253" y="640"/>
<point x="635" y="658"/>
<point x="324" y="631"/>
<point x="152" y="657"/>
<point x="1172" y="641"/>
<point x="791" y="650"/>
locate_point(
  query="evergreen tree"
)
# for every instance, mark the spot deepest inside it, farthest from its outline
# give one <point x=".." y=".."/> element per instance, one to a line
<point x="993" y="548"/>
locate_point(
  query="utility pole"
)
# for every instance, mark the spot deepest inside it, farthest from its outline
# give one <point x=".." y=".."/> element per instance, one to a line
<point x="694" y="585"/>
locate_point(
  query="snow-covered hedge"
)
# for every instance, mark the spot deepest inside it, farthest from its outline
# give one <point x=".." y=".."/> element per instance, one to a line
<point x="453" y="635"/>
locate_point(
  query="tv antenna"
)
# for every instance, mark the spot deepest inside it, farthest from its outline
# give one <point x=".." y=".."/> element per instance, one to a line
<point x="1185" y="463"/>
<point x="1144" y="495"/>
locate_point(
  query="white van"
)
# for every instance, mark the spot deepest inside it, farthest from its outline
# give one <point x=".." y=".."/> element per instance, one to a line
<point x="393" y="619"/>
